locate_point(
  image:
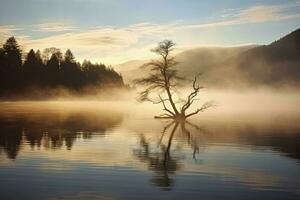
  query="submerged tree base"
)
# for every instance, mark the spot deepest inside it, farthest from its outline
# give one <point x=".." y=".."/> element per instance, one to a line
<point x="182" y="116"/>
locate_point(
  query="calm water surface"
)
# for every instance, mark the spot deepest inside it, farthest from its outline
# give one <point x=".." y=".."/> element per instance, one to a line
<point x="63" y="151"/>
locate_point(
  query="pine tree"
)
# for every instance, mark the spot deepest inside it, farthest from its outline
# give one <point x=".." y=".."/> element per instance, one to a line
<point x="52" y="71"/>
<point x="12" y="62"/>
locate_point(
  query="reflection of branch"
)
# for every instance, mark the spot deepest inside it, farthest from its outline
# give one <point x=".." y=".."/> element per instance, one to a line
<point x="191" y="140"/>
<point x="198" y="128"/>
<point x="194" y="126"/>
<point x="167" y="152"/>
<point x="187" y="132"/>
<point x="164" y="131"/>
<point x="196" y="151"/>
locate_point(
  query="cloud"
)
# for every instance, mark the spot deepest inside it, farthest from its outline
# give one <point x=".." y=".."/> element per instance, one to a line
<point x="7" y="31"/>
<point x="108" y="37"/>
<point x="117" y="44"/>
<point x="263" y="13"/>
<point x="98" y="37"/>
<point x="253" y="14"/>
<point x="54" y="27"/>
<point x="110" y="44"/>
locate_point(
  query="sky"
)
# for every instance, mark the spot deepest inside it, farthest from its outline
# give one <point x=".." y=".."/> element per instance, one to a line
<point x="116" y="31"/>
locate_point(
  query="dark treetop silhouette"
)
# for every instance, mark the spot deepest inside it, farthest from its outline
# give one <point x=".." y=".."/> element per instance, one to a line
<point x="49" y="70"/>
<point x="164" y="80"/>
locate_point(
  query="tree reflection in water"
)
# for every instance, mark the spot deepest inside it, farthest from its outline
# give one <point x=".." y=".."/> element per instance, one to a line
<point x="160" y="160"/>
<point x="164" y="160"/>
<point x="51" y="130"/>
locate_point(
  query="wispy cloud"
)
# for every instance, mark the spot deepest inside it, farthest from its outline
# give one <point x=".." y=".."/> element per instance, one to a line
<point x="55" y="27"/>
<point x="253" y="14"/>
<point x="107" y="42"/>
<point x="263" y="13"/>
<point x="7" y="31"/>
<point x="105" y="36"/>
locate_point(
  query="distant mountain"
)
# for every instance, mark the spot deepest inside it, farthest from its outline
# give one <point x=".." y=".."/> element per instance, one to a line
<point x="203" y="59"/>
<point x="273" y="64"/>
<point x="131" y="70"/>
<point x="276" y="64"/>
<point x="211" y="62"/>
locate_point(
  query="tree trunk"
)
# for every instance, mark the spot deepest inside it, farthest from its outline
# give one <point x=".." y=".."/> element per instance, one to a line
<point x="171" y="100"/>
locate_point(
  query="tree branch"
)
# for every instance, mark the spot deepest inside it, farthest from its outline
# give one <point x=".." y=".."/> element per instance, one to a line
<point x="165" y="107"/>
<point x="191" y="96"/>
<point x="204" y="107"/>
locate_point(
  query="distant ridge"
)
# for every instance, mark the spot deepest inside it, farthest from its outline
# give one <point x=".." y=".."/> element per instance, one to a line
<point x="275" y="65"/>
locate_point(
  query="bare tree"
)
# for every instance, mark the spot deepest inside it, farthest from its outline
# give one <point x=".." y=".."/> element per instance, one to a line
<point x="163" y="81"/>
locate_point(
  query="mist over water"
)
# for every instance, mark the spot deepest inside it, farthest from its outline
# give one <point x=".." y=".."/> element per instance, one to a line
<point x="92" y="149"/>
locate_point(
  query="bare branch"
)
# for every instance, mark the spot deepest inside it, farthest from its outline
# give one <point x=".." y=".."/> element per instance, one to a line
<point x="152" y="79"/>
<point x="160" y="101"/>
<point x="154" y="64"/>
<point x="165" y="107"/>
<point x="164" y="48"/>
<point x="192" y="95"/>
<point x="204" y="107"/>
<point x="163" y="117"/>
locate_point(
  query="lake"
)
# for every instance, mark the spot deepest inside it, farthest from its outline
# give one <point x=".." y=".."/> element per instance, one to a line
<point x="103" y="150"/>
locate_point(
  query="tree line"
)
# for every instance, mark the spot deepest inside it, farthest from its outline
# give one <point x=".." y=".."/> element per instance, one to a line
<point x="50" y="69"/>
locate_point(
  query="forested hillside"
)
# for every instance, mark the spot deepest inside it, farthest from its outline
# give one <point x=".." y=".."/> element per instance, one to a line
<point x="21" y="72"/>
